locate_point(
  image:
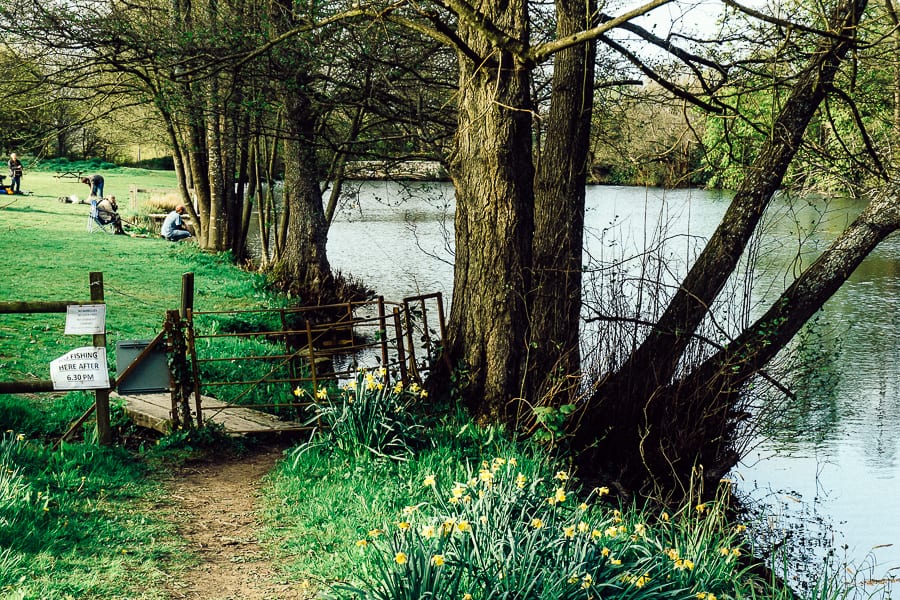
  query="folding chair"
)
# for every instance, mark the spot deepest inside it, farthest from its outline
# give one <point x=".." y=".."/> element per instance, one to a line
<point x="96" y="224"/>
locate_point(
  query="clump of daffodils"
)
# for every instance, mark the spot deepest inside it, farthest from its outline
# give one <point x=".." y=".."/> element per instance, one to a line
<point x="365" y="416"/>
<point x="510" y="530"/>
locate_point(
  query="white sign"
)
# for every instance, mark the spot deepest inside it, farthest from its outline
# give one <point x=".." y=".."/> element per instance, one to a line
<point x="80" y="369"/>
<point x="85" y="319"/>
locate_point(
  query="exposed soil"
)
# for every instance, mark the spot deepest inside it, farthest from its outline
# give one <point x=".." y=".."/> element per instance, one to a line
<point x="214" y="505"/>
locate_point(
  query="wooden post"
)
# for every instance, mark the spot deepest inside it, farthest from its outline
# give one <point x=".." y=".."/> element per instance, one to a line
<point x="195" y="367"/>
<point x="312" y="357"/>
<point x="187" y="294"/>
<point x="186" y="313"/>
<point x="168" y="328"/>
<point x="382" y="332"/>
<point x="401" y="356"/>
<point x="101" y="401"/>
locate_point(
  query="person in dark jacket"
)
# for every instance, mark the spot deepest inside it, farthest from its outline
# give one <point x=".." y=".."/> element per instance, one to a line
<point x="15" y="173"/>
<point x="96" y="183"/>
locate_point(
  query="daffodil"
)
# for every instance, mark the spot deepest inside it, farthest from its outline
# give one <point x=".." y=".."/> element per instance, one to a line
<point x="322" y="394"/>
<point x="297" y="391"/>
<point x="602" y="491"/>
<point x="403" y="525"/>
<point x="561" y="475"/>
<point x="362" y="543"/>
<point x="537" y="523"/>
<point x="587" y="581"/>
<point x="428" y="531"/>
<point x="560" y="495"/>
<point x="684" y="564"/>
<point x="583" y="527"/>
<point x="429" y="481"/>
<point x="520" y="481"/>
<point x="569" y="531"/>
<point x="400" y="558"/>
<point x="437" y="560"/>
<point x="463" y="526"/>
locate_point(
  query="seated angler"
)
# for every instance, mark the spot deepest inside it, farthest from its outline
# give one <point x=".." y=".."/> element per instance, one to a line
<point x="108" y="212"/>
<point x="173" y="227"/>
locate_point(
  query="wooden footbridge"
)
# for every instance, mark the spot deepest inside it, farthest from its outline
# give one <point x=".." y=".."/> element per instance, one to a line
<point x="258" y="371"/>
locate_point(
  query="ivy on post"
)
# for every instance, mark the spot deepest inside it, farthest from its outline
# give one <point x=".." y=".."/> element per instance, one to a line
<point x="180" y="373"/>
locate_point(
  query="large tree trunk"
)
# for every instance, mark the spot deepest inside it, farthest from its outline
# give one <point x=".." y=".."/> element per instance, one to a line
<point x="555" y="301"/>
<point x="303" y="268"/>
<point x="622" y="426"/>
<point x="492" y="170"/>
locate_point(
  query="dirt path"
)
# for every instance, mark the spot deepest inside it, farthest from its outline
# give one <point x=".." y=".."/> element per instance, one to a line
<point x="214" y="506"/>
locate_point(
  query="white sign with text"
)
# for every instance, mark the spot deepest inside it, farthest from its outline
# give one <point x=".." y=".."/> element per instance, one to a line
<point x="80" y="369"/>
<point x="85" y="319"/>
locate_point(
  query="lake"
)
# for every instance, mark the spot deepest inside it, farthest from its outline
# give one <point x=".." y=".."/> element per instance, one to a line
<point x="831" y="456"/>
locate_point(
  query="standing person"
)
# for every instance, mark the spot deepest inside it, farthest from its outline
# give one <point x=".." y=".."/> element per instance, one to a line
<point x="96" y="183"/>
<point x="15" y="173"/>
<point x="173" y="228"/>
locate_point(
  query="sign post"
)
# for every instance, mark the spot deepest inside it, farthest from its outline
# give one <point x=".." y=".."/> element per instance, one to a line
<point x="104" y="431"/>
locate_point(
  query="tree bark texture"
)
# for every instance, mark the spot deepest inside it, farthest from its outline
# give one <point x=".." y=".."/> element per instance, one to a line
<point x="303" y="268"/>
<point x="555" y="300"/>
<point x="492" y="171"/>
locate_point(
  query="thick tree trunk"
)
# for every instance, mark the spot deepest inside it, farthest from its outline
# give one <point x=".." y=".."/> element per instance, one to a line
<point x="620" y="426"/>
<point x="492" y="170"/>
<point x="555" y="300"/>
<point x="303" y="269"/>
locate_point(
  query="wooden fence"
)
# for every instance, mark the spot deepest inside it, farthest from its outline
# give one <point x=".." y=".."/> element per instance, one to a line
<point x="101" y="402"/>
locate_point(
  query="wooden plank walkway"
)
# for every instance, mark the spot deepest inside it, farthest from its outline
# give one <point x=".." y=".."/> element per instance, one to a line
<point x="154" y="412"/>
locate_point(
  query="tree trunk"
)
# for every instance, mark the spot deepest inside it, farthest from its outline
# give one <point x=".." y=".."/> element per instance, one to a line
<point x="303" y="270"/>
<point x="624" y="425"/>
<point x="555" y="307"/>
<point x="493" y="174"/>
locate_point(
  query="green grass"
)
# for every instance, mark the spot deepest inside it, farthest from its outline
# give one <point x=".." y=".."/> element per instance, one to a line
<point x="98" y="537"/>
<point x="46" y="254"/>
<point x="75" y="524"/>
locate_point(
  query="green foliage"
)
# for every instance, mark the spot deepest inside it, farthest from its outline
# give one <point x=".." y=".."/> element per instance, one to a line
<point x="64" y="164"/>
<point x="366" y="417"/>
<point x="210" y="436"/>
<point x="516" y="530"/>
<point x="552" y="421"/>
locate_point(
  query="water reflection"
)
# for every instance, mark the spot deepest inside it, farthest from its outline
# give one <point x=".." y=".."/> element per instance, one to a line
<point x="835" y="445"/>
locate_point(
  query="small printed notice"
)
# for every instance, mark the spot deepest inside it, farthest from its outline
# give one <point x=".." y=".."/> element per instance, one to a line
<point x="80" y="369"/>
<point x="85" y="319"/>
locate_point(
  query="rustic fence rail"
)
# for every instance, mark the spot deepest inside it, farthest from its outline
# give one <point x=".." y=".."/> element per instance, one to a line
<point x="101" y="401"/>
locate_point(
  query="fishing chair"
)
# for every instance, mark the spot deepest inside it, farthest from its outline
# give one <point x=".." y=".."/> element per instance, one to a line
<point x="95" y="223"/>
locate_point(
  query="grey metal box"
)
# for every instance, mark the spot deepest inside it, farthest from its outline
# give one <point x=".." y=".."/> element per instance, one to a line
<point x="151" y="375"/>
